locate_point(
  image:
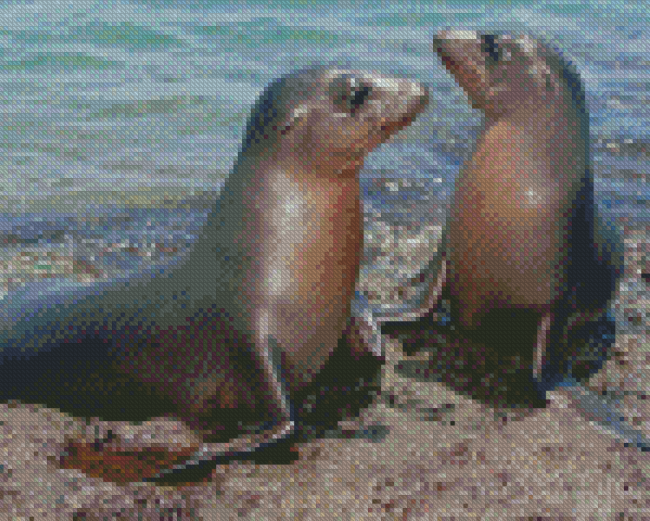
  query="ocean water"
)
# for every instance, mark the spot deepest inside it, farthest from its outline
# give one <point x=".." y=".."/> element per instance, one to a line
<point x="122" y="119"/>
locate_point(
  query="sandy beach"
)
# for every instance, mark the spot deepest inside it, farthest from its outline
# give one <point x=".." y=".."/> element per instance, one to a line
<point x="424" y="445"/>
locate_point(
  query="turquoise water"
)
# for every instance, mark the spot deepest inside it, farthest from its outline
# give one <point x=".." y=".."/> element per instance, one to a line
<point x="107" y="105"/>
<point x="131" y="96"/>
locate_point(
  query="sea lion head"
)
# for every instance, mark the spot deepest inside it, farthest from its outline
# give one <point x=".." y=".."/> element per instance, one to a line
<point x="330" y="118"/>
<point x="502" y="73"/>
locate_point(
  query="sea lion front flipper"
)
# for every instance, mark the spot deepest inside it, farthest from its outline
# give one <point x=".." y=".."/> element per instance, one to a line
<point x="551" y="363"/>
<point x="547" y="358"/>
<point x="280" y="428"/>
<point x="572" y="350"/>
<point x="541" y="355"/>
<point x="431" y="283"/>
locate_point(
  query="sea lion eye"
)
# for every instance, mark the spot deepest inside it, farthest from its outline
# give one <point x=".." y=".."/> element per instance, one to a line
<point x="350" y="93"/>
<point x="490" y="47"/>
<point x="359" y="94"/>
<point x="355" y="94"/>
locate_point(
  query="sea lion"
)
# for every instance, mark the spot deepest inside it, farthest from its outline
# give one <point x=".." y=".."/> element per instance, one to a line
<point x="523" y="230"/>
<point x="271" y="279"/>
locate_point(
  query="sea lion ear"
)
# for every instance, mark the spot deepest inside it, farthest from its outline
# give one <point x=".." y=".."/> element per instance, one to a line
<point x="551" y="84"/>
<point x="298" y="115"/>
<point x="540" y="69"/>
<point x="547" y="79"/>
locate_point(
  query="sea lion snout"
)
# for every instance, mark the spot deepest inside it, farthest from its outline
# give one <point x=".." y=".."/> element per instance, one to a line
<point x="411" y="99"/>
<point x="461" y="55"/>
<point x="418" y="97"/>
<point x="415" y="94"/>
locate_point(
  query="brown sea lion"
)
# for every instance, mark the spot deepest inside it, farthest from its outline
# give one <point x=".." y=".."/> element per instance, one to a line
<point x="523" y="230"/>
<point x="269" y="283"/>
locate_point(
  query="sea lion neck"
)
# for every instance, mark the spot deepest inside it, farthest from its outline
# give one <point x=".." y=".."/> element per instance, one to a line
<point x="310" y="168"/>
<point x="548" y="128"/>
<point x="246" y="196"/>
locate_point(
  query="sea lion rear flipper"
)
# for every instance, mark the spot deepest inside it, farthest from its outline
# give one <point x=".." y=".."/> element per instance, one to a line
<point x="429" y="303"/>
<point x="363" y="336"/>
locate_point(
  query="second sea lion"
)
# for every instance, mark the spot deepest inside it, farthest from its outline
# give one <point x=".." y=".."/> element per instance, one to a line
<point x="523" y="230"/>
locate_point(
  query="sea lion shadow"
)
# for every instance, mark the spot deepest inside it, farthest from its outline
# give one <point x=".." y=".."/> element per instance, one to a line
<point x="346" y="384"/>
<point x="79" y="379"/>
<point x="487" y="365"/>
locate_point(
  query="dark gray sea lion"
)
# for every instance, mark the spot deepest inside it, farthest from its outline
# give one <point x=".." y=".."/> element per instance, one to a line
<point x="269" y="284"/>
<point x="523" y="231"/>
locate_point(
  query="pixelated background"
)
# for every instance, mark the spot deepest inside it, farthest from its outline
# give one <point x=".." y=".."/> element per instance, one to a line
<point x="121" y="121"/>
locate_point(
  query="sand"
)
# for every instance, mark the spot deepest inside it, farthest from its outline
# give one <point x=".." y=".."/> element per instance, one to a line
<point x="421" y="449"/>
